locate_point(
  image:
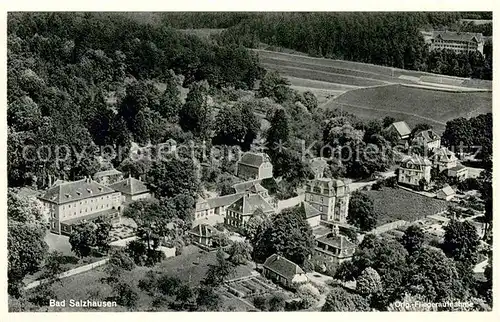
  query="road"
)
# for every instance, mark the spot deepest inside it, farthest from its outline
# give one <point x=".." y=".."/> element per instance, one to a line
<point x="360" y="184"/>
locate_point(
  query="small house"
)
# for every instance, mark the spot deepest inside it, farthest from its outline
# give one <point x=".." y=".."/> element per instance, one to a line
<point x="401" y="129"/>
<point x="202" y="234"/>
<point x="283" y="271"/>
<point x="131" y="189"/>
<point x="446" y="193"/>
<point x="427" y="138"/>
<point x="254" y="166"/>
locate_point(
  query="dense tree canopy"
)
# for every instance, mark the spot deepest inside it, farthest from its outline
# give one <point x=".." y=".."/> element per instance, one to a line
<point x="289" y="234"/>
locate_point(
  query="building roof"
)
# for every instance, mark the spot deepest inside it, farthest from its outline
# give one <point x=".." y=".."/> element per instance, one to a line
<point x="327" y="182"/>
<point x="310" y="211"/>
<point x="318" y="166"/>
<point x="417" y="160"/>
<point x="130" y="186"/>
<point x="282" y="266"/>
<point x="458" y="36"/>
<point x="111" y="172"/>
<point x="443" y="154"/>
<point x="75" y="190"/>
<point x="401" y="127"/>
<point x="447" y="190"/>
<point x="254" y="159"/>
<point x="428" y="136"/>
<point x="221" y="201"/>
<point x="338" y="241"/>
<point x="202" y="230"/>
<point x="458" y="167"/>
<point x="252" y="185"/>
<point x="247" y="204"/>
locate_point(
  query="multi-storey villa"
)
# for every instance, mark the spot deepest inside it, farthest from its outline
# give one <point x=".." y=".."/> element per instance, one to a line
<point x="330" y="197"/>
<point x="69" y="203"/>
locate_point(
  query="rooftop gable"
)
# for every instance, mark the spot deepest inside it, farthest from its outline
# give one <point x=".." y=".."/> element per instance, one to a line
<point x="283" y="266"/>
<point x="130" y="186"/>
<point x="75" y="190"/>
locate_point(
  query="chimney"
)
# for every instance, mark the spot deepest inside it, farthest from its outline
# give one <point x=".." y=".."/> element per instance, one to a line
<point x="278" y="257"/>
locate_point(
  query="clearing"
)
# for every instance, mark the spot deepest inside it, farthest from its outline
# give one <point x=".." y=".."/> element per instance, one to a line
<point x="413" y="105"/>
<point x="398" y="204"/>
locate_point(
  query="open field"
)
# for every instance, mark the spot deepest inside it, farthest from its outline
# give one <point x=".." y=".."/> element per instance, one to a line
<point x="368" y="71"/>
<point x="413" y="105"/>
<point x="398" y="204"/>
<point x="190" y="267"/>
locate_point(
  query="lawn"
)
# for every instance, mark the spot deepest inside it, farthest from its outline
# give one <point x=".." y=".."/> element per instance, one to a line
<point x="361" y="69"/>
<point x="398" y="204"/>
<point x="413" y="105"/>
<point x="314" y="74"/>
<point x="191" y="267"/>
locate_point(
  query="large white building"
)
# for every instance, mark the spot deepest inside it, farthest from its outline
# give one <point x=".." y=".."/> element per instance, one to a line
<point x="459" y="42"/>
<point x="330" y="197"/>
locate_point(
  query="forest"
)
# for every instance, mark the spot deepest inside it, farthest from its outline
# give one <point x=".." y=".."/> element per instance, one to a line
<point x="389" y="39"/>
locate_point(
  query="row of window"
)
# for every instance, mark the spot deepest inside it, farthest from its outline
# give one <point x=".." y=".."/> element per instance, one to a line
<point x="83" y="201"/>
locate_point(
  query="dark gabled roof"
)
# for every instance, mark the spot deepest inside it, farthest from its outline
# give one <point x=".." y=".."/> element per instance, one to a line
<point x="75" y="190"/>
<point x="253" y="159"/>
<point x="282" y="266"/>
<point x="111" y="172"/>
<point x="130" y="186"/>
<point x="205" y="204"/>
<point x="338" y="241"/>
<point x="443" y="154"/>
<point x="202" y="230"/>
<point x="458" y="167"/>
<point x="253" y="185"/>
<point x="310" y="211"/>
<point x="458" y="36"/>
<point x="428" y="136"/>
<point x="248" y="204"/>
<point x="401" y="127"/>
<point x="417" y="160"/>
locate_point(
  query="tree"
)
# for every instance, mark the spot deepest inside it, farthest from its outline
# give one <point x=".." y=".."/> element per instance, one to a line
<point x="122" y="260"/>
<point x="125" y="295"/>
<point x="260" y="303"/>
<point x="195" y="114"/>
<point x="419" y="128"/>
<point x="207" y="299"/>
<point x="168" y="178"/>
<point x="368" y="282"/>
<point x="461" y="241"/>
<point x="388" y="258"/>
<point x="275" y="87"/>
<point x="361" y="212"/>
<point x="289" y="234"/>
<point x="339" y="300"/>
<point x="309" y="100"/>
<point x="82" y="239"/>
<point x="240" y="252"/>
<point x="170" y="102"/>
<point x="276" y="303"/>
<point x="218" y="272"/>
<point x="309" y="294"/>
<point x="26" y="250"/>
<point x="255" y="224"/>
<point x="433" y="275"/>
<point x="278" y="134"/>
<point x="413" y="239"/>
<point x="236" y="125"/>
<point x="53" y="266"/>
<point x="387" y="121"/>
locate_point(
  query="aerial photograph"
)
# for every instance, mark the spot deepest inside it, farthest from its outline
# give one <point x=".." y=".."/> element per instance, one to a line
<point x="249" y="161"/>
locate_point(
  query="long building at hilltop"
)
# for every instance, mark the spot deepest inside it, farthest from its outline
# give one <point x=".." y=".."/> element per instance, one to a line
<point x="459" y="42"/>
